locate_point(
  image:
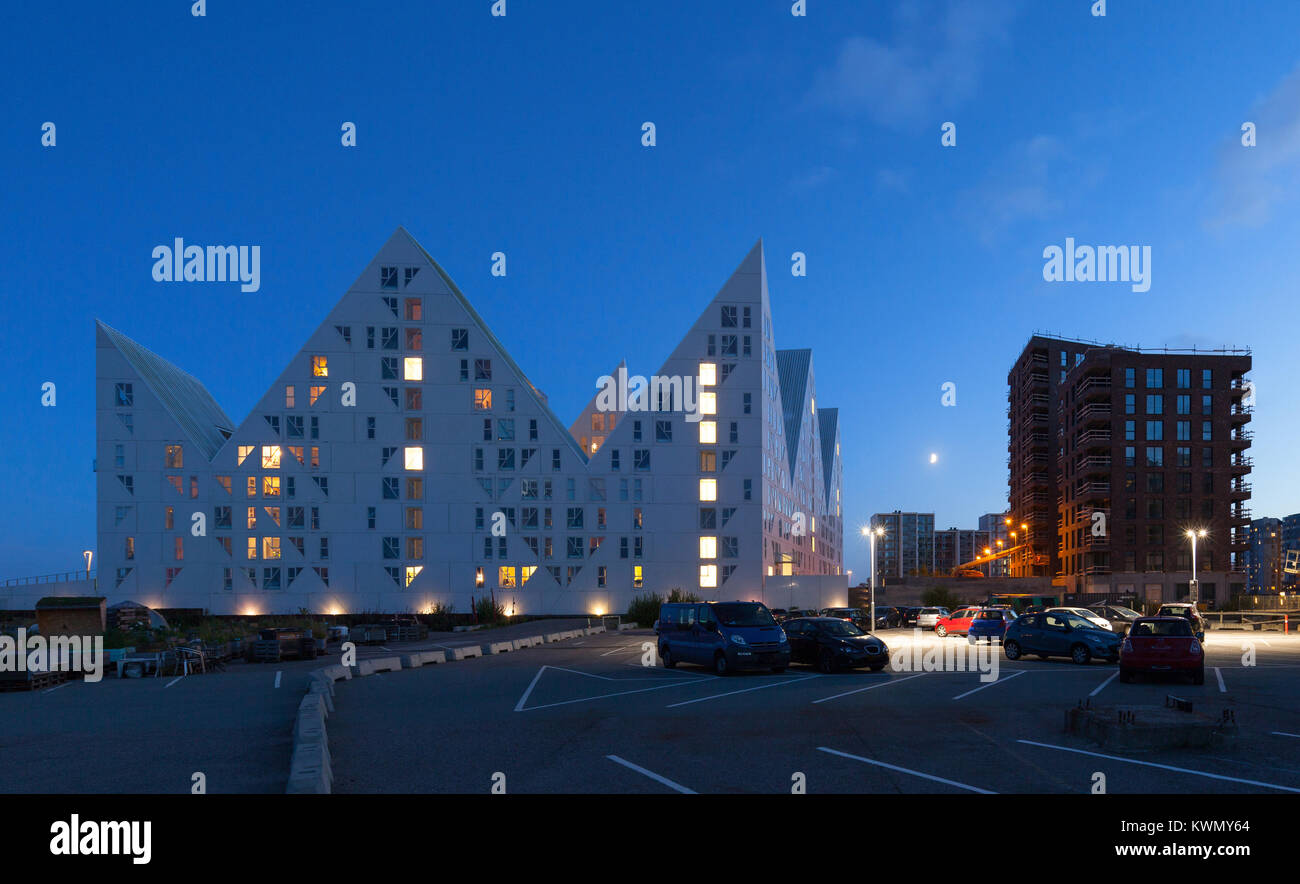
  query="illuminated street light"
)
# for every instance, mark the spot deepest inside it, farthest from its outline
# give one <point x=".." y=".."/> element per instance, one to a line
<point x="1194" y="587"/>
<point x="871" y="534"/>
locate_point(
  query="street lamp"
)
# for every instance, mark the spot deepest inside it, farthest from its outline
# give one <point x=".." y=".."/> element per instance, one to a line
<point x="871" y="534"/>
<point x="1194" y="588"/>
<point x="88" y="555"/>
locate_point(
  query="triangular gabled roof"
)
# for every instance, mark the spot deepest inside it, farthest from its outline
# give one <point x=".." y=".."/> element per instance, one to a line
<point x="529" y="386"/>
<point x="185" y="398"/>
<point x="828" y="425"/>
<point x="792" y="370"/>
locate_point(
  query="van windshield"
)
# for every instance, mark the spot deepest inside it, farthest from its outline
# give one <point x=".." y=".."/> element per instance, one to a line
<point x="743" y="614"/>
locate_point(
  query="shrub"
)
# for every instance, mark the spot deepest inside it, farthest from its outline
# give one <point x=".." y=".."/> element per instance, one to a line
<point x="644" y="609"/>
<point x="489" y="611"/>
<point x="677" y="595"/>
<point x="940" y="597"/>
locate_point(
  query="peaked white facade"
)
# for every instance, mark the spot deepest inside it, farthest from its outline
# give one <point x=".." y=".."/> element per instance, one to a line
<point x="403" y="460"/>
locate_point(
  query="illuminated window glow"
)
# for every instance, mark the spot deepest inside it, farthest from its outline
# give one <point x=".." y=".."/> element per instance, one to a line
<point x="316" y="393"/>
<point x="708" y="489"/>
<point x="415" y="457"/>
<point x="506" y="577"/>
<point x="270" y="548"/>
<point x="483" y="399"/>
<point x="708" y="432"/>
<point x="708" y="547"/>
<point x="414" y="368"/>
<point x="412" y="571"/>
<point x="708" y="575"/>
<point x="245" y="451"/>
<point x="708" y="403"/>
<point x="708" y="374"/>
<point x="320" y="367"/>
<point x="270" y="457"/>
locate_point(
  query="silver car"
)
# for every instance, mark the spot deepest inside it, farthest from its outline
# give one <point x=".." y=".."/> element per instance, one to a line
<point x="929" y="617"/>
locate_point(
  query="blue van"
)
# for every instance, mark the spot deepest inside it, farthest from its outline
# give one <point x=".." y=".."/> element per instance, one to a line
<point x="726" y="636"/>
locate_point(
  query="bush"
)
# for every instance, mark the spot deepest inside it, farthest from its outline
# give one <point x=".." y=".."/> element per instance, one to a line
<point x="644" y="609"/>
<point x="488" y="611"/>
<point x="940" y="597"/>
<point x="677" y="595"/>
<point x="439" y="618"/>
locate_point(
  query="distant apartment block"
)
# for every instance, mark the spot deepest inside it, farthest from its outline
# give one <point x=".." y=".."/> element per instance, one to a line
<point x="1264" y="558"/>
<point x="1145" y="445"/>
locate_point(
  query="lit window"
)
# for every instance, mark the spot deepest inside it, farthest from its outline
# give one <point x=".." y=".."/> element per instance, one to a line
<point x="175" y="458"/>
<point x="252" y="548"/>
<point x="636" y="576"/>
<point x="288" y="396"/>
<point x="320" y="367"/>
<point x="708" y="547"/>
<point x="270" y="486"/>
<point x="812" y="404"/>
<point x="415" y="458"/>
<point x="483" y="399"/>
<point x="708" y="432"/>
<point x="708" y="374"/>
<point x="270" y="457"/>
<point x="708" y="403"/>
<point x="526" y="573"/>
<point x="245" y="451"/>
<point x="270" y="547"/>
<point x="478" y="576"/>
<point x="708" y="575"/>
<point x="506" y="577"/>
<point x="708" y="489"/>
<point x="412" y="571"/>
<point x="414" y="366"/>
<point x="316" y="393"/>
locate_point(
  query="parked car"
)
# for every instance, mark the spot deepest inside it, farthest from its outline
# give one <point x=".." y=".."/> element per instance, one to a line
<point x="1161" y="644"/>
<point x="1091" y="616"/>
<point x="928" y="618"/>
<point x="909" y="615"/>
<point x="888" y="617"/>
<point x="779" y="614"/>
<point x="1187" y="612"/>
<point x="1119" y="617"/>
<point x="726" y="636"/>
<point x="1059" y="634"/>
<point x="968" y="573"/>
<point x="831" y="643"/>
<point x="990" y="624"/>
<point x="956" y="623"/>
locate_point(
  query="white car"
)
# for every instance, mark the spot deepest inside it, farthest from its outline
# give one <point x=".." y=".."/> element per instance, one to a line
<point x="1091" y="616"/>
<point x="929" y="617"/>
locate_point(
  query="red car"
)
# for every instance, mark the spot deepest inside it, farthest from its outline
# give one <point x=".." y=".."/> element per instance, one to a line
<point x="958" y="622"/>
<point x="1161" y="644"/>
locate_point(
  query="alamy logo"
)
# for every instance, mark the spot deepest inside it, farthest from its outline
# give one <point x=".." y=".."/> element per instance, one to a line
<point x="181" y="263"/>
<point x="58" y="653"/>
<point x="659" y="393"/>
<point x="76" y="837"/>
<point x="1098" y="264"/>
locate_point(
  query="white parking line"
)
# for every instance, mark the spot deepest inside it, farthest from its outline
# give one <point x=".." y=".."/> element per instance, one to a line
<point x="1219" y="675"/>
<point x="652" y="775"/>
<point x="277" y="679"/>
<point x="1186" y="770"/>
<point x="519" y="707"/>
<point x="1097" y="689"/>
<point x="915" y="773"/>
<point x="775" y="684"/>
<point x="869" y="687"/>
<point x="989" y="685"/>
<point x="1285" y="734"/>
<point x="623" y="648"/>
<point x="172" y="682"/>
<point x="53" y="689"/>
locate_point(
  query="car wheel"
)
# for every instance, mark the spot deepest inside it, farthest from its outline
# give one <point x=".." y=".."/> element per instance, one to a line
<point x="1125" y="675"/>
<point x="1012" y="650"/>
<point x="1080" y="654"/>
<point x="664" y="658"/>
<point x="720" y="664"/>
<point x="941" y="630"/>
<point x="1198" y="677"/>
<point x="825" y="662"/>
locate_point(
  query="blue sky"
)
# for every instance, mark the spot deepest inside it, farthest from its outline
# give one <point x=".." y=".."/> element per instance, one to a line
<point x="522" y="134"/>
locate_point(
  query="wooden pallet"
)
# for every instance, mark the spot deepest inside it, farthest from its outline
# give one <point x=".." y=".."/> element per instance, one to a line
<point x="31" y="681"/>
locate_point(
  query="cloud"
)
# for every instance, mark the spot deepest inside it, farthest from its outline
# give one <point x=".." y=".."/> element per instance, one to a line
<point x="934" y="61"/>
<point x="1022" y="187"/>
<point x="1254" y="180"/>
<point x="813" y="179"/>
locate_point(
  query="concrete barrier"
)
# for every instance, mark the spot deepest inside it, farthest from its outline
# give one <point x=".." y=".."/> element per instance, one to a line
<point x="554" y="636"/>
<point x="429" y="657"/>
<point x="624" y="627"/>
<point x="336" y="672"/>
<point x="309" y="770"/>
<point x="377" y="664"/>
<point x="528" y="642"/>
<point x="464" y="653"/>
<point x="326" y="691"/>
<point x="498" y="647"/>
<point x="593" y="630"/>
<point x="412" y="661"/>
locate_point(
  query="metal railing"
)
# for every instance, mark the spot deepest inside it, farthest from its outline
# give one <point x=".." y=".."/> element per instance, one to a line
<point x="64" y="577"/>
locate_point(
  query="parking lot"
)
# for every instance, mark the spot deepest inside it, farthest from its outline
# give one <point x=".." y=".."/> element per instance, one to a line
<point x="586" y="716"/>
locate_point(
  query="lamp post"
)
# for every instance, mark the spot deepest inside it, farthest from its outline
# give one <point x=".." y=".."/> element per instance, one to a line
<point x="871" y="534"/>
<point x="1194" y="588"/>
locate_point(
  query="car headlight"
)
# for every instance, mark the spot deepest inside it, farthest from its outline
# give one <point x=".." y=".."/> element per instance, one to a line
<point x="739" y="639"/>
<point x="873" y="649"/>
<point x="784" y="637"/>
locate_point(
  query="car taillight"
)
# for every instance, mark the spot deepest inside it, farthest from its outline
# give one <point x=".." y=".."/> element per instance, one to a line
<point x="1196" y="646"/>
<point x="1127" y="645"/>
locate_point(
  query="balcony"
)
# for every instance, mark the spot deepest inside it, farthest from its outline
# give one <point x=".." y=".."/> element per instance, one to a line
<point x="1239" y="513"/>
<point x="1241" y="413"/>
<point x="1242" y="434"/>
<point x="1238" y="387"/>
<point x="1092" y="388"/>
<point x="1241" y="463"/>
<point x="1038" y="357"/>
<point x="1034" y="458"/>
<point x="1039" y="440"/>
<point x="1239" y="488"/>
<point x="1095" y="439"/>
<point x="1036" y="478"/>
<point x="1093" y="464"/>
<point x="1034" y="379"/>
<point x="1096" y="413"/>
<point x="1093" y="489"/>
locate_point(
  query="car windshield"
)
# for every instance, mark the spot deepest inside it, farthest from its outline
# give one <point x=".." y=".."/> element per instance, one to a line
<point x="743" y="614"/>
<point x="1079" y="622"/>
<point x="1162" y="627"/>
<point x="989" y="615"/>
<point x="1125" y="612"/>
<point x="841" y="627"/>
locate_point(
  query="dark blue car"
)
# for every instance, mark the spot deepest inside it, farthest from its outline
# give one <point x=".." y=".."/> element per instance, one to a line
<point x="1059" y="634"/>
<point x="725" y="636"/>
